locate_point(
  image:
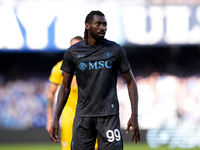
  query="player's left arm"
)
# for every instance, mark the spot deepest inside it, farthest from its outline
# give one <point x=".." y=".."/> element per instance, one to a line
<point x="62" y="100"/>
<point x="133" y="95"/>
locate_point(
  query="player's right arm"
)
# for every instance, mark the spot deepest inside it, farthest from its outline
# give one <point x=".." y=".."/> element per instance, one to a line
<point x="50" y="96"/>
<point x="133" y="95"/>
<point x="62" y="100"/>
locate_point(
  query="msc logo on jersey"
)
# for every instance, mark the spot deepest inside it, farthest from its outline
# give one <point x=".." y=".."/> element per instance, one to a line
<point x="100" y="64"/>
<point x="95" y="65"/>
<point x="82" y="66"/>
<point x="107" y="54"/>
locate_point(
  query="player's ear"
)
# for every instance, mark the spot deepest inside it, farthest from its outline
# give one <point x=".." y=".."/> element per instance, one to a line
<point x="87" y="26"/>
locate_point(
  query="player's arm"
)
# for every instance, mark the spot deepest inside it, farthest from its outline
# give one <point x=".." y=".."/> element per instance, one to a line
<point x="133" y="95"/>
<point x="62" y="99"/>
<point x="50" y="101"/>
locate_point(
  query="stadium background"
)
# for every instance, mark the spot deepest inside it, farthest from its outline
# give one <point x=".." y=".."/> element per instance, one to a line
<point x="162" y="41"/>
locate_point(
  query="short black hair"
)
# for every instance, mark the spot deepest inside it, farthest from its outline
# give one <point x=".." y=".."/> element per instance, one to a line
<point x="89" y="19"/>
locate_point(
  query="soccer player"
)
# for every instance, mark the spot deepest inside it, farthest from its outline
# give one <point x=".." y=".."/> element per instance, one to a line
<point x="69" y="110"/>
<point x="96" y="61"/>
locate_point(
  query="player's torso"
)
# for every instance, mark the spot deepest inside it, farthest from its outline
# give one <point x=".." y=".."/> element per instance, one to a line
<point x="96" y="71"/>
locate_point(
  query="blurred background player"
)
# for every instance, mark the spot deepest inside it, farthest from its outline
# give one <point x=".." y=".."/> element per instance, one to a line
<point x="68" y="113"/>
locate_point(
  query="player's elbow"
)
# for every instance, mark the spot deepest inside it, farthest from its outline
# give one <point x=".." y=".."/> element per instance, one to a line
<point x="65" y="89"/>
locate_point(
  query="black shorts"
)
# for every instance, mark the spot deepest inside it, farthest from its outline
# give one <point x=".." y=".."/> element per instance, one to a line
<point x="105" y="129"/>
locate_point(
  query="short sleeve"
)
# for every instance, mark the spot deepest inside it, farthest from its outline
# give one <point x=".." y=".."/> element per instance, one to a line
<point x="123" y="63"/>
<point x="67" y="64"/>
<point x="56" y="74"/>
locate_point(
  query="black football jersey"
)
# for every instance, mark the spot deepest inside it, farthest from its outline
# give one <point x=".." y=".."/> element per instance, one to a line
<point x="96" y="73"/>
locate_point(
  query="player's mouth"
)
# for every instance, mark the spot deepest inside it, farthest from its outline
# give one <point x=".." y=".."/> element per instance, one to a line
<point x="101" y="33"/>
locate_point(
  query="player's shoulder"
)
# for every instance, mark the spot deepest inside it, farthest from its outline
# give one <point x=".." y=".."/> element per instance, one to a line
<point x="76" y="48"/>
<point x="57" y="66"/>
<point x="78" y="45"/>
<point x="59" y="63"/>
<point x="111" y="43"/>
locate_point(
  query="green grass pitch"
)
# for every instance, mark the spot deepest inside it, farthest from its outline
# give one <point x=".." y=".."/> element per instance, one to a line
<point x="57" y="146"/>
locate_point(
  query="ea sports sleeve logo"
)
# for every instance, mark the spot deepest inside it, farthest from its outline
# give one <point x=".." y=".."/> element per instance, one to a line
<point x="107" y="54"/>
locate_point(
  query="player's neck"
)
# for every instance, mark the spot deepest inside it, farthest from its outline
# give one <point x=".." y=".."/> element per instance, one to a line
<point x="94" y="42"/>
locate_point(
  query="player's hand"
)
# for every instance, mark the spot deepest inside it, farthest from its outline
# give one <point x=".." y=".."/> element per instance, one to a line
<point x="54" y="131"/>
<point x="133" y="121"/>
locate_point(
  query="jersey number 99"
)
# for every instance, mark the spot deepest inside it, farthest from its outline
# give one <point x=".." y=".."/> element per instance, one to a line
<point x="113" y="135"/>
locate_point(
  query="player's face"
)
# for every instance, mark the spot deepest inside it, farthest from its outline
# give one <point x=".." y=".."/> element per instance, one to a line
<point x="98" y="27"/>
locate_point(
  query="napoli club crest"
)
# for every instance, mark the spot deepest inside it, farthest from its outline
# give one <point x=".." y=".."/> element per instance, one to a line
<point x="107" y="54"/>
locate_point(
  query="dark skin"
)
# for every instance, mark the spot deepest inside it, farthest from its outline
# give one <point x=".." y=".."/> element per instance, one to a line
<point x="98" y="27"/>
<point x="62" y="99"/>
<point x="133" y="95"/>
<point x="96" y="33"/>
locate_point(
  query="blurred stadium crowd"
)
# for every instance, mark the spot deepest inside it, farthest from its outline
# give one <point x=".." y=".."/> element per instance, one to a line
<point x="165" y="99"/>
<point x="23" y="104"/>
